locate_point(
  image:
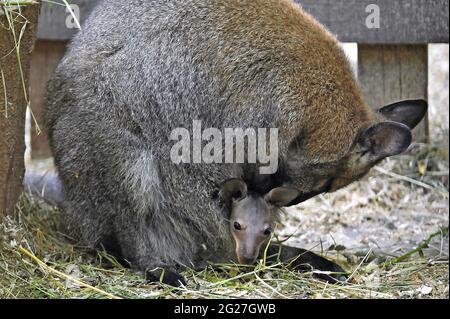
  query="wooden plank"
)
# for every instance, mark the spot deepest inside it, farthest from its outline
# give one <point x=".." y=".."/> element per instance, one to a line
<point x="53" y="18"/>
<point x="390" y="73"/>
<point x="13" y="102"/>
<point x="45" y="58"/>
<point x="401" y="21"/>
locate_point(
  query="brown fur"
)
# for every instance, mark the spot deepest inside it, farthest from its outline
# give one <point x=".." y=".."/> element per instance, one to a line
<point x="320" y="109"/>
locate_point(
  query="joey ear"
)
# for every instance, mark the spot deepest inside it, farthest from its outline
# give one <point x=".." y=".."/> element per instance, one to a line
<point x="385" y="139"/>
<point x="281" y="196"/>
<point x="234" y="188"/>
<point x="408" y="112"/>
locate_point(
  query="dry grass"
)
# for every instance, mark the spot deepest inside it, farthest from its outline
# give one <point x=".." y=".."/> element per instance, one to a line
<point x="38" y="261"/>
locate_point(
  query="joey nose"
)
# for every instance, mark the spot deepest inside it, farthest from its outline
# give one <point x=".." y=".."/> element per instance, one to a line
<point x="247" y="259"/>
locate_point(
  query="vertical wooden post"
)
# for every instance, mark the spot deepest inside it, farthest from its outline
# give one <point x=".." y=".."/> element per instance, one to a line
<point x="45" y="58"/>
<point x="14" y="69"/>
<point x="389" y="73"/>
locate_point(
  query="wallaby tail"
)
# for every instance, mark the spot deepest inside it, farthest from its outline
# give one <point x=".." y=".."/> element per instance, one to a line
<point x="47" y="185"/>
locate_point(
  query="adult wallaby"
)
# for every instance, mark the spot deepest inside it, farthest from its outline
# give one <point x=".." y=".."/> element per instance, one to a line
<point x="140" y="69"/>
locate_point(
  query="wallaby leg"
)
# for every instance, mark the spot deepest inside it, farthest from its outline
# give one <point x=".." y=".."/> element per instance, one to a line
<point x="304" y="260"/>
<point x="165" y="274"/>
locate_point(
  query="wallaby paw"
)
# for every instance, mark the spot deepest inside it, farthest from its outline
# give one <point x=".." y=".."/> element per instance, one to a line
<point x="334" y="273"/>
<point x="166" y="276"/>
<point x="333" y="278"/>
<point x="337" y="274"/>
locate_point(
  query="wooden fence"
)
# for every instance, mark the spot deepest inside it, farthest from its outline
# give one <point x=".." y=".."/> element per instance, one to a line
<point x="392" y="58"/>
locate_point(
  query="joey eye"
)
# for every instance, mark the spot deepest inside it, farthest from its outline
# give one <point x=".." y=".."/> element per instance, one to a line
<point x="237" y="195"/>
<point x="237" y="226"/>
<point x="268" y="231"/>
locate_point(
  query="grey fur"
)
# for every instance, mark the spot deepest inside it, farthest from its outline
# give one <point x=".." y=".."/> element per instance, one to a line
<point x="139" y="69"/>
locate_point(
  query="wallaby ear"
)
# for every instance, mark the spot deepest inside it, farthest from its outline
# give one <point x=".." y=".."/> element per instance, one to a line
<point x="408" y="112"/>
<point x="281" y="196"/>
<point x="234" y="188"/>
<point x="384" y="139"/>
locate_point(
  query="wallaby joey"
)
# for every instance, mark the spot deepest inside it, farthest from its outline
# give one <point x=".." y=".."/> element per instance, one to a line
<point x="253" y="219"/>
